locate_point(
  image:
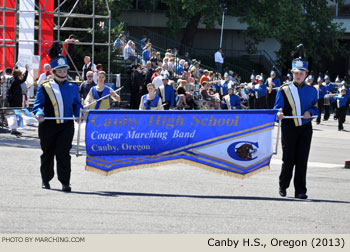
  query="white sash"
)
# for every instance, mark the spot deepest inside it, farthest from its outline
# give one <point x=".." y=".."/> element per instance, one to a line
<point x="296" y="98"/>
<point x="162" y="92"/>
<point x="228" y="102"/>
<point x="59" y="99"/>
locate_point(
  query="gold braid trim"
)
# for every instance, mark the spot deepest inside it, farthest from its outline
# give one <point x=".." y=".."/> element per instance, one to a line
<point x="289" y="95"/>
<point x="52" y="97"/>
<point x="183" y="161"/>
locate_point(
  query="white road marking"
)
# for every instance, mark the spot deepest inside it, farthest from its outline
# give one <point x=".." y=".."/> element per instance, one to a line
<point x="311" y="164"/>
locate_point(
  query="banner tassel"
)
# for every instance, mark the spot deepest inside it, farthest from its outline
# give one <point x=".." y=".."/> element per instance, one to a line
<point x="171" y="162"/>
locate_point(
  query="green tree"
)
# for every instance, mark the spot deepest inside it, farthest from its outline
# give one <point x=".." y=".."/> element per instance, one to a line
<point x="291" y="23"/>
<point x="187" y="14"/>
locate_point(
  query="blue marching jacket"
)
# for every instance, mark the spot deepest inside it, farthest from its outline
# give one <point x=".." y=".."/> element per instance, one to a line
<point x="260" y="91"/>
<point x="167" y="94"/>
<point x="295" y="100"/>
<point x="57" y="100"/>
<point x="341" y="100"/>
<point x="232" y="101"/>
<point x="330" y="87"/>
<point x="322" y="92"/>
<point x="152" y="104"/>
<point x="224" y="88"/>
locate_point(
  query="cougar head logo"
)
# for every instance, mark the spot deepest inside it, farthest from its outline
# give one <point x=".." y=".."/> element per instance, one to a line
<point x="243" y="151"/>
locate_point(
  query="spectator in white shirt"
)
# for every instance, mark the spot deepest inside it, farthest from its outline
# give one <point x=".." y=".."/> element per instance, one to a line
<point x="46" y="74"/>
<point x="158" y="80"/>
<point x="88" y="66"/>
<point x="129" y="51"/>
<point x="219" y="60"/>
<point x="165" y="71"/>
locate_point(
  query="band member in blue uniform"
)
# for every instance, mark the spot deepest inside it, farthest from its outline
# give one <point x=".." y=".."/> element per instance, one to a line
<point x="273" y="83"/>
<point x="341" y="100"/>
<point x="243" y="98"/>
<point x="224" y="85"/>
<point x="296" y="99"/>
<point x="330" y="90"/>
<point x="92" y="100"/>
<point x="289" y="78"/>
<point x="322" y="90"/>
<point x="260" y="93"/>
<point x="310" y="80"/>
<point x="167" y="93"/>
<point x="250" y="92"/>
<point x="56" y="97"/>
<point x="151" y="101"/>
<point x="232" y="101"/>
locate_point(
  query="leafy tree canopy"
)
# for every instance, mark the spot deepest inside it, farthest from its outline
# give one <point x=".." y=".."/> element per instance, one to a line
<point x="291" y="23"/>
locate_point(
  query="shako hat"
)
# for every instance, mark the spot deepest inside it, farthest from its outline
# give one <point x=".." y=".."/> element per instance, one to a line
<point x="299" y="63"/>
<point x="59" y="62"/>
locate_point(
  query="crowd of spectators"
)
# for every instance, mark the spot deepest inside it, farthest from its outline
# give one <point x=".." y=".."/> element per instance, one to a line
<point x="194" y="87"/>
<point x="179" y="82"/>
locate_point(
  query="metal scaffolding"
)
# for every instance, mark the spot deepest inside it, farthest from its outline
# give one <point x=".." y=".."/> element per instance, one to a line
<point x="58" y="27"/>
<point x="2" y="26"/>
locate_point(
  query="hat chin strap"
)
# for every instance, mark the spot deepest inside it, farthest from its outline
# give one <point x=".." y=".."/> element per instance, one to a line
<point x="59" y="77"/>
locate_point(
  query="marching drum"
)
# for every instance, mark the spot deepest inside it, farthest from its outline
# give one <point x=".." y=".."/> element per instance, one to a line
<point x="327" y="100"/>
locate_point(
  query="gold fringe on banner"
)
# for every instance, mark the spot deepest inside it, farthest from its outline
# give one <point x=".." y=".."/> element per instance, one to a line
<point x="184" y="161"/>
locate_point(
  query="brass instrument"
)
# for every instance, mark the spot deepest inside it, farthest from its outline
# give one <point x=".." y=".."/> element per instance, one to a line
<point x="269" y="81"/>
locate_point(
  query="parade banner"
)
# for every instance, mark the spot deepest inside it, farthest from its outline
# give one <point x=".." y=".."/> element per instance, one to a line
<point x="231" y="142"/>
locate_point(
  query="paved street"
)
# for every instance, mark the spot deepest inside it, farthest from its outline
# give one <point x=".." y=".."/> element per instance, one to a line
<point x="175" y="198"/>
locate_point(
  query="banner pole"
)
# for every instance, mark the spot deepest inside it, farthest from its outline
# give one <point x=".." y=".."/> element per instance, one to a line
<point x="278" y="134"/>
<point x="78" y="138"/>
<point x="60" y="118"/>
<point x="292" y="117"/>
<point x="103" y="97"/>
<point x="278" y="137"/>
<point x="279" y="128"/>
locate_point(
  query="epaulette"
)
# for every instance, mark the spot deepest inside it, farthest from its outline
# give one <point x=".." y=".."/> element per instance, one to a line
<point x="44" y="82"/>
<point x="285" y="84"/>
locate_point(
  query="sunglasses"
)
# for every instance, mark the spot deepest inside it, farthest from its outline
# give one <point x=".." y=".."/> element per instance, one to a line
<point x="90" y="76"/>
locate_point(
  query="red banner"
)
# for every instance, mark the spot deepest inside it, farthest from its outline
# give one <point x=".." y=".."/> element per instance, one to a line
<point x="46" y="24"/>
<point x="9" y="23"/>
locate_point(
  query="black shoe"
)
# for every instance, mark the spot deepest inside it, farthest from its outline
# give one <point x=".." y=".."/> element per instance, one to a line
<point x="301" y="196"/>
<point x="66" y="188"/>
<point x="325" y="120"/>
<point x="45" y="185"/>
<point x="283" y="192"/>
<point x="16" y="133"/>
<point x="317" y="123"/>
